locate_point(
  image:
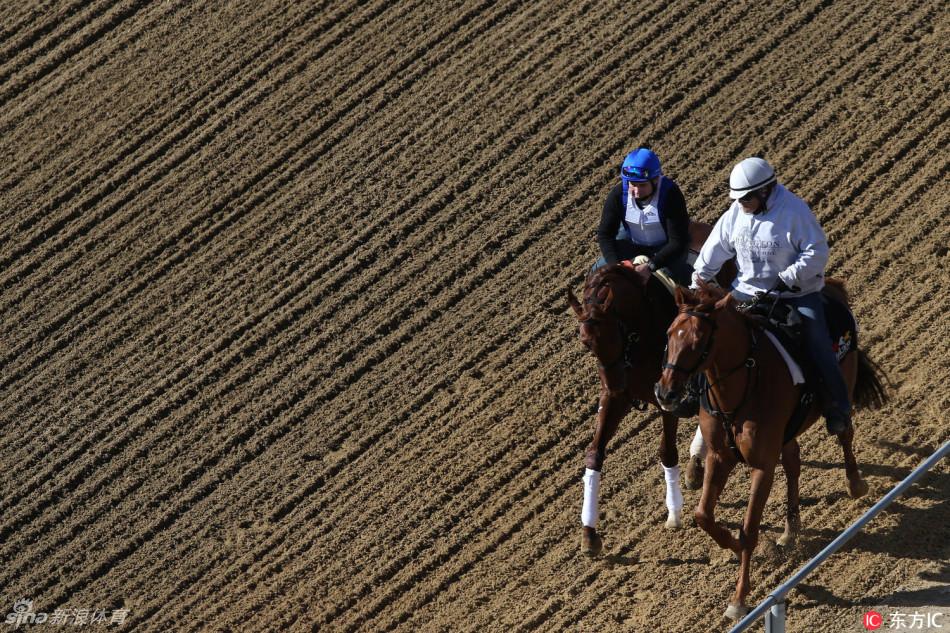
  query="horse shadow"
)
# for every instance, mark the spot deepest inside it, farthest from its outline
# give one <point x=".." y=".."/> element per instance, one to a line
<point x="672" y="561"/>
<point x="920" y="533"/>
<point x="930" y="596"/>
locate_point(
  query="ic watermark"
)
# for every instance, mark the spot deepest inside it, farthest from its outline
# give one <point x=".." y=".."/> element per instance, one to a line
<point x="23" y="613"/>
<point x="900" y="621"/>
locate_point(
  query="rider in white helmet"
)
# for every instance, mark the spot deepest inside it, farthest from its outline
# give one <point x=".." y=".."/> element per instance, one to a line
<point x="778" y="244"/>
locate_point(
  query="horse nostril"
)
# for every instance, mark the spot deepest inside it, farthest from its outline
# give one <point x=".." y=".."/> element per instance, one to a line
<point x="663" y="394"/>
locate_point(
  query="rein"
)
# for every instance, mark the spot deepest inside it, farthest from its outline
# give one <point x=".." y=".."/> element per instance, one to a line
<point x="749" y="364"/>
<point x="627" y="337"/>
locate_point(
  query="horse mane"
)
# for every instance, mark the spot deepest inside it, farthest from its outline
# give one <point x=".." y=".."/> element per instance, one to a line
<point x="708" y="297"/>
<point x="607" y="274"/>
<point x="705" y="298"/>
<point x="600" y="280"/>
<point x="626" y="286"/>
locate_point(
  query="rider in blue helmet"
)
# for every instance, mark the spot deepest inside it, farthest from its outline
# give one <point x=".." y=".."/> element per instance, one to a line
<point x="645" y="214"/>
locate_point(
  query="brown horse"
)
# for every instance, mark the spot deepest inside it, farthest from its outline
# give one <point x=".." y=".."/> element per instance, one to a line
<point x="623" y="322"/>
<point x="752" y="390"/>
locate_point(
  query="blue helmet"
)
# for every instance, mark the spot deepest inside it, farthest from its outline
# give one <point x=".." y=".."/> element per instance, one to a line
<point x="640" y="165"/>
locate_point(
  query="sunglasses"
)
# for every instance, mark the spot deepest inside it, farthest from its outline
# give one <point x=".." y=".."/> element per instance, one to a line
<point x="747" y="197"/>
<point x="636" y="172"/>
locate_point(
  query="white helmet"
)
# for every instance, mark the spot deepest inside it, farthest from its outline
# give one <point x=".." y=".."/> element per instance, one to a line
<point x="749" y="175"/>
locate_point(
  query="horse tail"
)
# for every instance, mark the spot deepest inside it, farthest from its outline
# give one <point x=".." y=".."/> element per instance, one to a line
<point x="836" y="288"/>
<point x="869" y="392"/>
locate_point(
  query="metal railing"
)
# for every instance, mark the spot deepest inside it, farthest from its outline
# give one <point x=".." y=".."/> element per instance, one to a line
<point x="774" y="604"/>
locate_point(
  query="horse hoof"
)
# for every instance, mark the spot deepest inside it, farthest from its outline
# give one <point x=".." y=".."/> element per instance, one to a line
<point x="694" y="472"/>
<point x="591" y="542"/>
<point x="674" y="521"/>
<point x="857" y="488"/>
<point x="736" y="611"/>
<point x="793" y="525"/>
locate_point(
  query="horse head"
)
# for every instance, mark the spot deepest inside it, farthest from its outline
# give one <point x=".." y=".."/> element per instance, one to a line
<point x="609" y="320"/>
<point x="692" y="342"/>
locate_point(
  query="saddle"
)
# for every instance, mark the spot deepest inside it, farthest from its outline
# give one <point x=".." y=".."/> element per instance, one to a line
<point x="785" y="323"/>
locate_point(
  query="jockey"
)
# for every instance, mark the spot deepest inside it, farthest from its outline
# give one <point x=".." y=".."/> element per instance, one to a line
<point x="778" y="244"/>
<point x="645" y="215"/>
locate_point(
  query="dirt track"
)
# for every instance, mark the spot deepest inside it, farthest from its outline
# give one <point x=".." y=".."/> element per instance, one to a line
<point x="283" y="340"/>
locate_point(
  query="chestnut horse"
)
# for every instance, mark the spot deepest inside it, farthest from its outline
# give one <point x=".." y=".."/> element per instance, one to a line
<point x="623" y="322"/>
<point x="751" y="388"/>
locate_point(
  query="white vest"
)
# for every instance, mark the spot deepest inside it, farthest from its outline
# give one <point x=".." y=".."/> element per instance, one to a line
<point x="643" y="225"/>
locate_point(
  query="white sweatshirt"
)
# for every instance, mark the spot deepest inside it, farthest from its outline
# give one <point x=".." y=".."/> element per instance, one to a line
<point x="786" y="242"/>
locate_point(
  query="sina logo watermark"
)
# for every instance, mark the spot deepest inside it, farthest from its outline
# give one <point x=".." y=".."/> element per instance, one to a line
<point x="23" y="614"/>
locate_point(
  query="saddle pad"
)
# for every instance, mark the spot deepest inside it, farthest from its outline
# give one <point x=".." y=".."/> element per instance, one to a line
<point x="798" y="378"/>
<point x="842" y="330"/>
<point x="842" y="327"/>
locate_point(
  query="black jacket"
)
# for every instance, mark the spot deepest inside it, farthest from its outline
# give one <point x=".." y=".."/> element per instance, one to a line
<point x="675" y="222"/>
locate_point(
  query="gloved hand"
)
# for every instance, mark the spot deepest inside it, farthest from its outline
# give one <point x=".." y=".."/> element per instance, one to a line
<point x="781" y="286"/>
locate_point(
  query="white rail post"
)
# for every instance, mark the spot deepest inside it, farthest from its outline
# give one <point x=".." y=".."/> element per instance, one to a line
<point x="775" y="620"/>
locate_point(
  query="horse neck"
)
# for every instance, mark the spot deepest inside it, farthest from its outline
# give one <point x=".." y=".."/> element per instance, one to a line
<point x="641" y="312"/>
<point x="649" y="307"/>
<point x="726" y="372"/>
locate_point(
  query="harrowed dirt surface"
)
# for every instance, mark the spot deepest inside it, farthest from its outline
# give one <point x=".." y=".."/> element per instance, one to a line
<point x="283" y="339"/>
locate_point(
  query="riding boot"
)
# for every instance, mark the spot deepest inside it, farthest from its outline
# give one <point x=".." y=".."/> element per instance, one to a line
<point x="836" y="420"/>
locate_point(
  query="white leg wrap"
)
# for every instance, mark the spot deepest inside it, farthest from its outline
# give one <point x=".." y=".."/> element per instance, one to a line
<point x="698" y="446"/>
<point x="589" y="513"/>
<point x="674" y="497"/>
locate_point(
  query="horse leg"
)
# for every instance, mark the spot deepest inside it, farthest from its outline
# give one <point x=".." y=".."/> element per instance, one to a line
<point x="857" y="487"/>
<point x="792" y="463"/>
<point x="717" y="472"/>
<point x="749" y="538"/>
<point x="612" y="409"/>
<point x="697" y="455"/>
<point x="669" y="459"/>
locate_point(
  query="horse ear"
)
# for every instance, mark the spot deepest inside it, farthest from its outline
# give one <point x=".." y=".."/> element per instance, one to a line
<point x="726" y="302"/>
<point x="574" y="303"/>
<point x="684" y="296"/>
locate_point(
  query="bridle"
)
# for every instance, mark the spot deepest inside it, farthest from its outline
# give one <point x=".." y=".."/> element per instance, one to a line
<point x="749" y="364"/>
<point x="704" y="316"/>
<point x="627" y="337"/>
